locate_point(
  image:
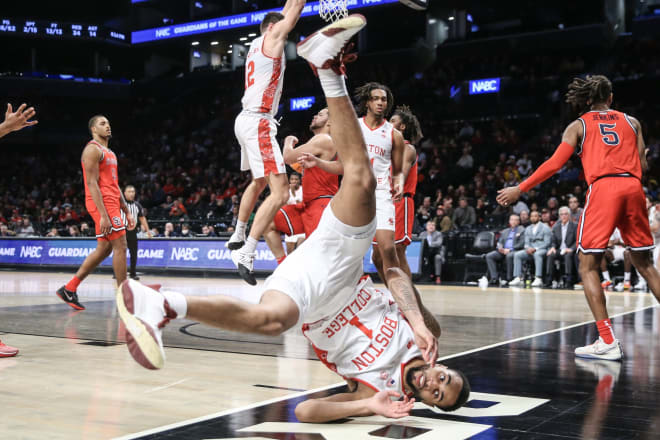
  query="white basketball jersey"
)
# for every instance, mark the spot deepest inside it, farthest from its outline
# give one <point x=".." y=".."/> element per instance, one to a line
<point x="264" y="77"/>
<point x="368" y="340"/>
<point x="379" y="145"/>
<point x="295" y="198"/>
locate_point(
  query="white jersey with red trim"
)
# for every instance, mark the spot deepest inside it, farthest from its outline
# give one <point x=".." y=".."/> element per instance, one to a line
<point x="264" y="77"/>
<point x="379" y="143"/>
<point x="368" y="340"/>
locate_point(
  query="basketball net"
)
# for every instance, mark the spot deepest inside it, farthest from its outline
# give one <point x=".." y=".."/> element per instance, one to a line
<point x="333" y="10"/>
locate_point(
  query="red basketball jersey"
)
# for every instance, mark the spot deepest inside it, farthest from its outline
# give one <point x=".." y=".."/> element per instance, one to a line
<point x="609" y="145"/>
<point x="317" y="183"/>
<point x="410" y="184"/>
<point x="108" y="182"/>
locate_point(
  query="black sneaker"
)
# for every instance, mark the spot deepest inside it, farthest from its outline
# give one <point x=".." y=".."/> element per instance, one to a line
<point x="134" y="277"/>
<point x="71" y="298"/>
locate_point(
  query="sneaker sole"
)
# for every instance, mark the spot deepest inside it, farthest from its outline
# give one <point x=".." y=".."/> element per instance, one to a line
<point x="73" y="306"/>
<point x="352" y="21"/>
<point x="142" y="343"/>
<point x="601" y="357"/>
<point x="235" y="245"/>
<point x="247" y="276"/>
<point x="8" y="354"/>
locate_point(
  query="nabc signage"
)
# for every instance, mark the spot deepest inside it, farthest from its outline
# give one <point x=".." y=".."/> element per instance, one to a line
<point x="488" y="85"/>
<point x="304" y="103"/>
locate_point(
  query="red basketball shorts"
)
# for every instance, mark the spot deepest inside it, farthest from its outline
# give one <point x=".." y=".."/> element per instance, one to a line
<point x="301" y="218"/>
<point x="614" y="202"/>
<point x="118" y="227"/>
<point x="405" y="217"/>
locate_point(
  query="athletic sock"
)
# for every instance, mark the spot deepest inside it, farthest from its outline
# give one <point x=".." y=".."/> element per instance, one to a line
<point x="241" y="228"/>
<point x="606" y="276"/>
<point x="279" y="260"/>
<point x="72" y="285"/>
<point x="605" y="330"/>
<point x="250" y="246"/>
<point x="177" y="302"/>
<point x="333" y="85"/>
<point x="626" y="276"/>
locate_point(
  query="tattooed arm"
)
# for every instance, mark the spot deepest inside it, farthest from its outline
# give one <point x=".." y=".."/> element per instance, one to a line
<point x="429" y="320"/>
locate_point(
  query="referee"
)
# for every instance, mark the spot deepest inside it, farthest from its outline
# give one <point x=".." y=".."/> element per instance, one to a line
<point x="131" y="236"/>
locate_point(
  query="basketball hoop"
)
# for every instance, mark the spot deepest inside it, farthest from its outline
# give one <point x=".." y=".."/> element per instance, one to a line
<point x="333" y="10"/>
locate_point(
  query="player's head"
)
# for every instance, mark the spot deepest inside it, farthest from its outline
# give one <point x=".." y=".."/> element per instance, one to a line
<point x="407" y="123"/>
<point x="586" y="93"/>
<point x="129" y="193"/>
<point x="320" y="120"/>
<point x="294" y="180"/>
<point x="99" y="126"/>
<point x="439" y="386"/>
<point x="269" y="19"/>
<point x="374" y="98"/>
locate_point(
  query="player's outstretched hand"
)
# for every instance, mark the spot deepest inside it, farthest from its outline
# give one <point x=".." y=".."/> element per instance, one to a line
<point x="508" y="196"/>
<point x="382" y="404"/>
<point x="426" y="342"/>
<point x="15" y="120"/>
<point x="307" y="160"/>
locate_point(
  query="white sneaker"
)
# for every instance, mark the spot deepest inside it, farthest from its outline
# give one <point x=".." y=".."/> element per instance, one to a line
<point x="601" y="350"/>
<point x="323" y="49"/>
<point x="538" y="282"/>
<point x="236" y="241"/>
<point x="640" y="286"/>
<point x="515" y="282"/>
<point x="483" y="280"/>
<point x="144" y="312"/>
<point x="244" y="262"/>
<point x="555" y="284"/>
<point x="503" y="283"/>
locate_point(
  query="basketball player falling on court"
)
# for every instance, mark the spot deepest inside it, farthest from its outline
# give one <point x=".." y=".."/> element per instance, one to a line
<point x="104" y="202"/>
<point x="385" y="146"/>
<point x="256" y="128"/>
<point x="14" y="121"/>
<point x="407" y="123"/>
<point x="318" y="184"/>
<point x="611" y="146"/>
<point x="379" y="341"/>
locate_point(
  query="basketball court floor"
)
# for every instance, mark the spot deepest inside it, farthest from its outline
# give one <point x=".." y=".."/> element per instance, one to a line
<point x="74" y="378"/>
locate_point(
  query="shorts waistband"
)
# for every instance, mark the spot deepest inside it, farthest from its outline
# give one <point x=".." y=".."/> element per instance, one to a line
<point x="408" y="195"/>
<point x="260" y="115"/>
<point x="614" y="175"/>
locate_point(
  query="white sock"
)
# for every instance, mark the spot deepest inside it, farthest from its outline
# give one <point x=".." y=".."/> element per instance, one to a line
<point x="606" y="276"/>
<point x="241" y="228"/>
<point x="333" y="85"/>
<point x="177" y="302"/>
<point x="250" y="246"/>
<point x="626" y="276"/>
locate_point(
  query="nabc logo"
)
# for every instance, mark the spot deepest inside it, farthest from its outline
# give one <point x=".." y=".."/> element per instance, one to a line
<point x="304" y="103"/>
<point x="488" y="85"/>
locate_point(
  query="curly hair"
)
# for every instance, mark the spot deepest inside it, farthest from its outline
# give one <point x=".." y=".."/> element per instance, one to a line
<point x="363" y="95"/>
<point x="583" y="93"/>
<point x="413" y="130"/>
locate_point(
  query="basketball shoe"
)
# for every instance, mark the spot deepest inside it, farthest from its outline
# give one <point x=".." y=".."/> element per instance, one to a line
<point x="324" y="49"/>
<point x="69" y="297"/>
<point x="7" y="351"/>
<point x="145" y="312"/>
<point x="236" y="241"/>
<point x="244" y="262"/>
<point x="601" y="350"/>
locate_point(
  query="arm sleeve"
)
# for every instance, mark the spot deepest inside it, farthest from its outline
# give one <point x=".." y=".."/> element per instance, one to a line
<point x="549" y="167"/>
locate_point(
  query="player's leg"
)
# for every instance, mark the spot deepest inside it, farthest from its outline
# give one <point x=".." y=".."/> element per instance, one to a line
<point x="378" y="261"/>
<point x="248" y="201"/>
<point x="387" y="248"/>
<point x="119" y="258"/>
<point x="274" y="241"/>
<point x="403" y="259"/>
<point x="279" y="195"/>
<point x="68" y="292"/>
<point x="642" y="260"/>
<point x="589" y="264"/>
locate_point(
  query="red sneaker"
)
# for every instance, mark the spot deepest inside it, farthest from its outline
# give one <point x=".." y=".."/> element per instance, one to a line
<point x="7" y="351"/>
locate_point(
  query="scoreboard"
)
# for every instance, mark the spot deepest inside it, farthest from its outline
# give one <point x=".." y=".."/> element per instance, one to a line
<point x="54" y="29"/>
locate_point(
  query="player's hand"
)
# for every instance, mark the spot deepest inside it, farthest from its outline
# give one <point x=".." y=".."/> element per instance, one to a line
<point x="397" y="192"/>
<point x="130" y="221"/>
<point x="426" y="342"/>
<point x="15" y="120"/>
<point x="508" y="196"/>
<point x="307" y="160"/>
<point x="105" y="226"/>
<point x="382" y="404"/>
<point x="291" y="140"/>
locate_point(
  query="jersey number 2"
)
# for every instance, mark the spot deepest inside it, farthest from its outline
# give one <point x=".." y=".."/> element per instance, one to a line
<point x="610" y="137"/>
<point x="249" y="79"/>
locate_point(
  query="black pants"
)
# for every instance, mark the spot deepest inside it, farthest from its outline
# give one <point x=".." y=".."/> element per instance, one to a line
<point x="132" y="243"/>
<point x="569" y="261"/>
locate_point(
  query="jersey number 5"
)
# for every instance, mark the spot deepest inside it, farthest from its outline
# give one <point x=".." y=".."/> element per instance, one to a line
<point x="610" y="137"/>
<point x="249" y="79"/>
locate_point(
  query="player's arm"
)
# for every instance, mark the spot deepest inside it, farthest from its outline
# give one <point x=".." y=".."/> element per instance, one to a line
<point x="569" y="141"/>
<point x="360" y="403"/>
<point x="641" y="145"/>
<point x="398" y="148"/>
<point x="16" y="120"/>
<point x="91" y="157"/>
<point x="330" y="166"/>
<point x="291" y="11"/>
<point x="429" y="320"/>
<point x="409" y="157"/>
<point x="316" y="146"/>
<point x="404" y="294"/>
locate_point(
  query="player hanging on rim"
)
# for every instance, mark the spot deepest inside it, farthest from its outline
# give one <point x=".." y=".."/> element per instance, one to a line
<point x="357" y="330"/>
<point x="611" y="146"/>
<point x="256" y="128"/>
<point x="385" y="146"/>
<point x="319" y="183"/>
<point x="407" y="123"/>
<point x="104" y="202"/>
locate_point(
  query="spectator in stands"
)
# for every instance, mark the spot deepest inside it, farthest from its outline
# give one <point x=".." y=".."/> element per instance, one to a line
<point x="524" y="218"/>
<point x="538" y="239"/>
<point x="442" y="221"/>
<point x="448" y="206"/>
<point x="74" y="231"/>
<point x="481" y="210"/>
<point x="464" y="215"/>
<point x="85" y="230"/>
<point x="26" y="229"/>
<point x="53" y="233"/>
<point x="466" y="161"/>
<point x="546" y="218"/>
<point x="569" y="173"/>
<point x="432" y="251"/>
<point x="524" y="165"/>
<point x="564" y="234"/>
<point x="423" y="215"/>
<point x="155" y="232"/>
<point x="169" y="231"/>
<point x="185" y="231"/>
<point x="576" y="211"/>
<point x="520" y="206"/>
<point x="511" y="239"/>
<point x="5" y="231"/>
<point x="553" y="207"/>
<point x="207" y="231"/>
